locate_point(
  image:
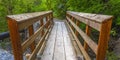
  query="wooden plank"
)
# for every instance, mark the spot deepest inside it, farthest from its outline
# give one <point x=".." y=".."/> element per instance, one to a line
<point x="15" y="38"/>
<point x="31" y="32"/>
<point x="59" y="53"/>
<point x="103" y="40"/>
<point x="49" y="49"/>
<point x="86" y="38"/>
<point x="69" y="51"/>
<point x="87" y="57"/>
<point x="88" y="30"/>
<point x="32" y="57"/>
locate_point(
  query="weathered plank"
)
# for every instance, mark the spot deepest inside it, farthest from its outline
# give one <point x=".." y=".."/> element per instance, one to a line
<point x="88" y="31"/>
<point x="69" y="51"/>
<point x="49" y="49"/>
<point x="25" y="20"/>
<point x="93" y="24"/>
<point x="86" y="56"/>
<point x="98" y="18"/>
<point x="32" y="38"/>
<point x="31" y="32"/>
<point x="103" y="40"/>
<point x="15" y="38"/>
<point x="32" y="57"/>
<point x="43" y="45"/>
<point x="59" y="53"/>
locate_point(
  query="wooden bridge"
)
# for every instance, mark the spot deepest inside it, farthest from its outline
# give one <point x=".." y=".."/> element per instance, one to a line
<point x="59" y="40"/>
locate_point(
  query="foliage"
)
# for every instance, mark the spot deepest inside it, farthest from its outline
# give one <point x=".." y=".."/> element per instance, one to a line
<point x="108" y="7"/>
<point x="112" y="56"/>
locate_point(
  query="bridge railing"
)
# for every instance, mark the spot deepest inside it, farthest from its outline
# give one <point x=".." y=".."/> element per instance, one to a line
<point x="101" y="23"/>
<point x="19" y="22"/>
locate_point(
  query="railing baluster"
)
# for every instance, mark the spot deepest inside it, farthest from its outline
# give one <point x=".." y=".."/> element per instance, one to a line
<point x="41" y="24"/>
<point x="72" y="18"/>
<point x="78" y="24"/>
<point x="88" y="30"/>
<point x="31" y="32"/>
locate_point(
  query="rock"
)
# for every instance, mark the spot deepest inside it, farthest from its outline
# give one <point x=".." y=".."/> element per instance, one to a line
<point x="4" y="55"/>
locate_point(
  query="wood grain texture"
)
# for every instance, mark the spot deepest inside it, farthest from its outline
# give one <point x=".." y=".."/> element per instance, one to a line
<point x="15" y="39"/>
<point x="69" y="50"/>
<point x="59" y="46"/>
<point x="88" y="30"/>
<point x="32" y="57"/>
<point x="78" y="24"/>
<point x="41" y="24"/>
<point x="40" y="52"/>
<point x="103" y="40"/>
<point x="31" y="32"/>
<point x="92" y="24"/>
<point x="98" y="18"/>
<point x="32" y="38"/>
<point x="59" y="52"/>
<point x="86" y="56"/>
<point x="49" y="49"/>
<point x="25" y="20"/>
<point x="86" y="38"/>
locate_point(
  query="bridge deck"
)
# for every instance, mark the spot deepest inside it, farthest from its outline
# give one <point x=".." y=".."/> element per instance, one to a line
<point x="59" y="46"/>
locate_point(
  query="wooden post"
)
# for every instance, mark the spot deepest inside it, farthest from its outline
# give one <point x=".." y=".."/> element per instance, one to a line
<point x="72" y="21"/>
<point x="88" y="30"/>
<point x="15" y="38"/>
<point x="103" y="40"/>
<point x="31" y="32"/>
<point x="52" y="18"/>
<point x="47" y="19"/>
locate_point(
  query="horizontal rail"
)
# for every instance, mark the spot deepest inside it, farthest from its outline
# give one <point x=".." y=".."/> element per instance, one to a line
<point x="89" y="19"/>
<point x="98" y="18"/>
<point x="33" y="37"/>
<point x="101" y="23"/>
<point x="87" y="39"/>
<point x="25" y="20"/>
<point x="87" y="57"/>
<point x="38" y="46"/>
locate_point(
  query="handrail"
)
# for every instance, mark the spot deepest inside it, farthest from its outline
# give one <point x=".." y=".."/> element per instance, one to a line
<point x="101" y="23"/>
<point x="23" y="21"/>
